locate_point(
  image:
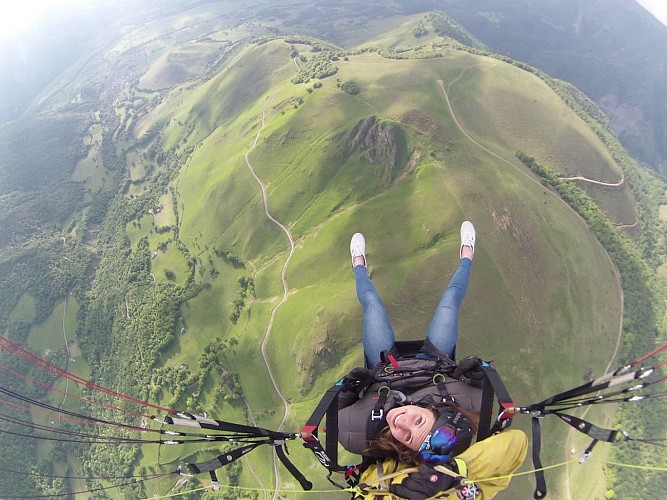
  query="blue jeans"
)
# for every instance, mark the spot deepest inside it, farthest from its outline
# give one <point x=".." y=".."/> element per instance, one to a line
<point x="378" y="334"/>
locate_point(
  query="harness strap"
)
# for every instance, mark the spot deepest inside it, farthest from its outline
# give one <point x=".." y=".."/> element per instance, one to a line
<point x="494" y="388"/>
<point x="585" y="427"/>
<point x="280" y="451"/>
<point x="201" y="422"/>
<point x="486" y="411"/>
<point x="332" y="431"/>
<point x="328" y="406"/>
<point x="215" y="483"/>
<point x="444" y="392"/>
<point x="540" y="482"/>
<point x="223" y="459"/>
<point x="376" y="418"/>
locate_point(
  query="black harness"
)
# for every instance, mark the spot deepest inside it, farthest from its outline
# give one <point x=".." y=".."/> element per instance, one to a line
<point x="327" y="410"/>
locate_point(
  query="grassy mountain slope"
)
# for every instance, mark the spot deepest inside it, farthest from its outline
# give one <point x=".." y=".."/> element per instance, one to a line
<point x="613" y="51"/>
<point x="175" y="266"/>
<point x="324" y="190"/>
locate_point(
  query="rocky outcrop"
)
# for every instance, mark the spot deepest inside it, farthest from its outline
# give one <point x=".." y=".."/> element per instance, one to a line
<point x="383" y="144"/>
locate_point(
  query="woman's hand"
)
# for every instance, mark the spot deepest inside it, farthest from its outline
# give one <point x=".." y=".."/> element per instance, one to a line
<point x="426" y="482"/>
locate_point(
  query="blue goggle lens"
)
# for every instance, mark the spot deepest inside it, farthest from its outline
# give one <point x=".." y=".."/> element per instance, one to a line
<point x="438" y="445"/>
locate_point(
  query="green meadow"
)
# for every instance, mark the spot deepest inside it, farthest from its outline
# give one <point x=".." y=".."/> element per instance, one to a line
<point x="49" y="335"/>
<point x="24" y="310"/>
<point x="544" y="300"/>
<point x="56" y="333"/>
<point x="219" y="281"/>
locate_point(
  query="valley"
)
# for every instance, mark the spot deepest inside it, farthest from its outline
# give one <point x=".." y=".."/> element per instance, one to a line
<point x="215" y="187"/>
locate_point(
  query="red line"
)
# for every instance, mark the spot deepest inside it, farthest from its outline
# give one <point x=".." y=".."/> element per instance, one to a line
<point x="650" y="354"/>
<point x="56" y="416"/>
<point x="50" y="388"/>
<point x="42" y="363"/>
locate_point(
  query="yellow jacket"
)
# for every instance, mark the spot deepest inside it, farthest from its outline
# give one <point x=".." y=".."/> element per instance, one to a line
<point x="492" y="462"/>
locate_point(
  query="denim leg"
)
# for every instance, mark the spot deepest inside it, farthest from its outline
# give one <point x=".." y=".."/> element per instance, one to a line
<point x="444" y="327"/>
<point x="378" y="335"/>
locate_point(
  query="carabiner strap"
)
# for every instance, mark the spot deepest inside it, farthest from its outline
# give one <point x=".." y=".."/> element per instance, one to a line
<point x="328" y="406"/>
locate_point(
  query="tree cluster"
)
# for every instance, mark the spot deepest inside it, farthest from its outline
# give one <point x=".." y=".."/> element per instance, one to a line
<point x="640" y="331"/>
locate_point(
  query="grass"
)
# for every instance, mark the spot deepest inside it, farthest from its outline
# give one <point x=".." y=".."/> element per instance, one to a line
<point x="44" y="339"/>
<point x="543" y="301"/>
<point x="24" y="310"/>
<point x="139" y="229"/>
<point x="90" y="169"/>
<point x="170" y="265"/>
<point x="178" y="66"/>
<point x="564" y="142"/>
<point x="662" y="211"/>
<point x="48" y="335"/>
<point x="135" y="165"/>
<point x="394" y="33"/>
<point x="166" y="216"/>
<point x="541" y="336"/>
<point x="617" y="203"/>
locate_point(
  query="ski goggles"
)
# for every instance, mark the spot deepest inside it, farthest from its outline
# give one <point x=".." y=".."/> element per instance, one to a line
<point x="450" y="435"/>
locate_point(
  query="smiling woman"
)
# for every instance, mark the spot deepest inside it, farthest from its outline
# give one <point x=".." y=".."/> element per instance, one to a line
<point x="411" y="417"/>
<point x="417" y="407"/>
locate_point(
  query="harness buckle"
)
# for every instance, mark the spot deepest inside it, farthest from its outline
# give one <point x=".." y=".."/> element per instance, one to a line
<point x="377" y="415"/>
<point x="585" y="456"/>
<point x="399" y="396"/>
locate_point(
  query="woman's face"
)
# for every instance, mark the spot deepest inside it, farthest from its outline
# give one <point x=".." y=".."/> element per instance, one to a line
<point x="410" y="424"/>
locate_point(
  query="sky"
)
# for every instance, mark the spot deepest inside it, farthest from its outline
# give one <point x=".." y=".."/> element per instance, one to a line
<point x="656" y="7"/>
<point x="19" y="15"/>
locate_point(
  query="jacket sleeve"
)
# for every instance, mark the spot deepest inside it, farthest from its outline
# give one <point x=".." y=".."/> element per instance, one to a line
<point x="493" y="461"/>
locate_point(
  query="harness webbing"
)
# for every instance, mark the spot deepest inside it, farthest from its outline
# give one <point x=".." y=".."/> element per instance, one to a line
<point x="582" y="396"/>
<point x="255" y="436"/>
<point x="223" y="459"/>
<point x="327" y="455"/>
<point x="494" y="388"/>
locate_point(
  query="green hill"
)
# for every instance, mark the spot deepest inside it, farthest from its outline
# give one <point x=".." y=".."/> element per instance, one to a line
<point x="323" y="187"/>
<point x="206" y="240"/>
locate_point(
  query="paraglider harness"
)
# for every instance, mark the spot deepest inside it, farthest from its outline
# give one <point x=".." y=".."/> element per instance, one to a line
<point x="624" y="385"/>
<point x="327" y="452"/>
<point x="492" y="389"/>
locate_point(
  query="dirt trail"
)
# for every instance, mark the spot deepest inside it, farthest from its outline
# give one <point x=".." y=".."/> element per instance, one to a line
<point x="69" y="357"/>
<point x="269" y="328"/>
<point x="619" y="339"/>
<point x="593" y="181"/>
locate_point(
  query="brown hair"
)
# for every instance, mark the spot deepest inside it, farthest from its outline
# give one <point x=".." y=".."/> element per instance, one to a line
<point x="386" y="442"/>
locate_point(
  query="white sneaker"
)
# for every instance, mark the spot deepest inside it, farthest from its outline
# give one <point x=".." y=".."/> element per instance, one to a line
<point x="467" y="237"/>
<point x="358" y="247"/>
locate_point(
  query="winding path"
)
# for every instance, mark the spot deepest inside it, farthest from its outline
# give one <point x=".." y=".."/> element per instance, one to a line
<point x="269" y="328"/>
<point x="619" y="339"/>
<point x="245" y="457"/>
<point x="593" y="181"/>
<point x="69" y="356"/>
